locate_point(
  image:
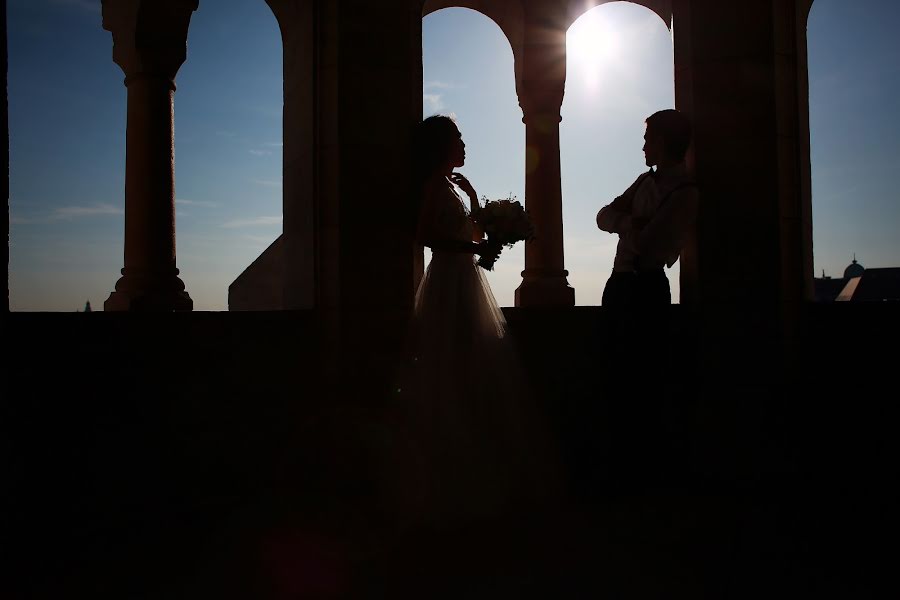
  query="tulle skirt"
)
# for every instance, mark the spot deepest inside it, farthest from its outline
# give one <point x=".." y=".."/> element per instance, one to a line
<point x="468" y="410"/>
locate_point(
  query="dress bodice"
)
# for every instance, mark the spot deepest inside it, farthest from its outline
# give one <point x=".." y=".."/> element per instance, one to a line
<point x="444" y="216"/>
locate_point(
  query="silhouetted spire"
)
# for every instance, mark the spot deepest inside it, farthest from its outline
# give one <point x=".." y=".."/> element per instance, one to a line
<point x="87" y="306"/>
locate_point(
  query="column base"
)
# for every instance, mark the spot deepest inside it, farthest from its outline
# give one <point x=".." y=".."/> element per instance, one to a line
<point x="149" y="302"/>
<point x="136" y="293"/>
<point x="541" y="289"/>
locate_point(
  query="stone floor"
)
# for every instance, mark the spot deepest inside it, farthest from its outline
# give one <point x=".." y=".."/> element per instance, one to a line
<point x="172" y="460"/>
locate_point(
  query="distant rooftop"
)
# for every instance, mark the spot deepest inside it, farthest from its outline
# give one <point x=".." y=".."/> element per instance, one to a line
<point x="859" y="285"/>
<point x="878" y="285"/>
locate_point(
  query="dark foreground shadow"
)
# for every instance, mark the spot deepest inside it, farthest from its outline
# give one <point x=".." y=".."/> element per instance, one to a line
<point x="177" y="457"/>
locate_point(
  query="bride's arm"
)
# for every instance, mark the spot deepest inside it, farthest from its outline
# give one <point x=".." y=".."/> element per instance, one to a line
<point x="462" y="183"/>
<point x="427" y="231"/>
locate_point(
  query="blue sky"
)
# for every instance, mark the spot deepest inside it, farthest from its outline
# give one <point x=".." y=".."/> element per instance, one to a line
<point x="67" y="138"/>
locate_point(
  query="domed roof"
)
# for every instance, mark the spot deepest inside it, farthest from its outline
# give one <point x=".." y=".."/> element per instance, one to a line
<point x="854" y="269"/>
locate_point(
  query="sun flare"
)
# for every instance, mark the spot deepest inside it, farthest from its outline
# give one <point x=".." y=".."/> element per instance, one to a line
<point x="592" y="45"/>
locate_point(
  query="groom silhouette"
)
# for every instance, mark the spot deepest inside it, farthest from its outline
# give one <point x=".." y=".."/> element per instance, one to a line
<point x="652" y="217"/>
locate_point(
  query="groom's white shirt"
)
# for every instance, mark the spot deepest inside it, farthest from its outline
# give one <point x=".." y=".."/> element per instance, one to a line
<point x="660" y="241"/>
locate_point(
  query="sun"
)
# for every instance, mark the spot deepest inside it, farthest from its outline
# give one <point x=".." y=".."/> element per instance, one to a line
<point x="592" y="45"/>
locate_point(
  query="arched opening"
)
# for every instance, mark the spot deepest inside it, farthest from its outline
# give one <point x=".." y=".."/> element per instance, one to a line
<point x="67" y="157"/>
<point x="228" y="146"/>
<point x="469" y="72"/>
<point x="67" y="113"/>
<point x="854" y="80"/>
<point x="619" y="70"/>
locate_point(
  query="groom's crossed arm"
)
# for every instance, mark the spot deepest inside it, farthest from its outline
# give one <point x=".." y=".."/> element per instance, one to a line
<point x="615" y="217"/>
<point x="662" y="237"/>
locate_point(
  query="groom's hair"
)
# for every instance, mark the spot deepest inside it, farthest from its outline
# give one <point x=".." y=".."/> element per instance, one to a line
<point x="676" y="130"/>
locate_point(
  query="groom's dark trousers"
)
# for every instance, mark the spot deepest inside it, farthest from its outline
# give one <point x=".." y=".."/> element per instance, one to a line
<point x="642" y="409"/>
<point x="632" y="289"/>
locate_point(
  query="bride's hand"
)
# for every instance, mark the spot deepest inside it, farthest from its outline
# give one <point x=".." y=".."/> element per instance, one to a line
<point x="460" y="181"/>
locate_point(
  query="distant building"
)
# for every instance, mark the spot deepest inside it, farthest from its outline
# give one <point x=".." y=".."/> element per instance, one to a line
<point x="860" y="285"/>
<point x="827" y="289"/>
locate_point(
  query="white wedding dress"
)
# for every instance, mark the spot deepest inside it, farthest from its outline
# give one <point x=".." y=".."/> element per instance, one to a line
<point x="468" y="410"/>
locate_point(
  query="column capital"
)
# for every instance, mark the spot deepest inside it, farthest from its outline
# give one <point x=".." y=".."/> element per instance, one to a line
<point x="149" y="36"/>
<point x="542" y="82"/>
<point x="542" y="107"/>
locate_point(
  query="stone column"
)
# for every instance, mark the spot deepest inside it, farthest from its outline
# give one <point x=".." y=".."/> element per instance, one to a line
<point x="368" y="232"/>
<point x="5" y="142"/>
<point x="149" y="44"/>
<point x="541" y="91"/>
<point x="740" y="73"/>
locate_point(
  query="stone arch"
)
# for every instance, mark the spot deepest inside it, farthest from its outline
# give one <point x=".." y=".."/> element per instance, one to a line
<point x="508" y="15"/>
<point x="806" y="7"/>
<point x="577" y="8"/>
<point x="230" y="132"/>
<point x="609" y="93"/>
<point x="500" y="132"/>
<point x="284" y="276"/>
<point x="853" y="133"/>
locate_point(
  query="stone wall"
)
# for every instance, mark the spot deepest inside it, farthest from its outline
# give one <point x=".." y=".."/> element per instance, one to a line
<point x="261" y="285"/>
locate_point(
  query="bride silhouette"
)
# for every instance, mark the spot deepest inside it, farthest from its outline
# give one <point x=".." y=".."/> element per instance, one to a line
<point x="467" y="405"/>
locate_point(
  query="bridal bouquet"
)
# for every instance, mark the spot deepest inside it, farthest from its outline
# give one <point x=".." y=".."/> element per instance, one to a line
<point x="505" y="222"/>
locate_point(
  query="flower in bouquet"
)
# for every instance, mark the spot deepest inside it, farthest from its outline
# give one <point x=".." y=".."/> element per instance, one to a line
<point x="505" y="222"/>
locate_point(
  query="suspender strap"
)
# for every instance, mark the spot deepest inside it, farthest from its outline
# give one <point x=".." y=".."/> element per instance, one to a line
<point x="680" y="186"/>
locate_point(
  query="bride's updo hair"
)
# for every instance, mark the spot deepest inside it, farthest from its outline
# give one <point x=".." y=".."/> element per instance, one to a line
<point x="431" y="144"/>
<point x="431" y="147"/>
